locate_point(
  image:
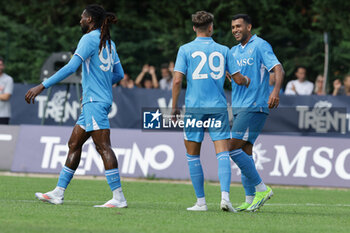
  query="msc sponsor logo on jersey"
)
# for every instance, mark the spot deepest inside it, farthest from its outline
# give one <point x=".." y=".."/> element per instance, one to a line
<point x="245" y="62"/>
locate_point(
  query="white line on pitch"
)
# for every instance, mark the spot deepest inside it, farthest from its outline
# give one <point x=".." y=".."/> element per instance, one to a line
<point x="5" y="137"/>
<point x="177" y="203"/>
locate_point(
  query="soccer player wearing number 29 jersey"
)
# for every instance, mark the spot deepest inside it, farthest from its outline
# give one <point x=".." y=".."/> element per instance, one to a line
<point x="101" y="69"/>
<point x="250" y="106"/>
<point x="204" y="62"/>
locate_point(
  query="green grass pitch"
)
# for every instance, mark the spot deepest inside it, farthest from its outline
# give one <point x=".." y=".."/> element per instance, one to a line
<point x="161" y="207"/>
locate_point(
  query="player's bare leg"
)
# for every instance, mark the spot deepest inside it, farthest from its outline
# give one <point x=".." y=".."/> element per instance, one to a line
<point x="224" y="173"/>
<point x="193" y="150"/>
<point x="75" y="144"/>
<point x="102" y="142"/>
<point x="248" y="148"/>
<point x="235" y="144"/>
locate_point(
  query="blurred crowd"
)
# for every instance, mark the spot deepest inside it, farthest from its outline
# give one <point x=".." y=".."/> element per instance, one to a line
<point x="300" y="85"/>
<point x="148" y="78"/>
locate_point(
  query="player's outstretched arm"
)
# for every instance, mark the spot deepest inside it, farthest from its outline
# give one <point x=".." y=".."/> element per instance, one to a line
<point x="274" y="96"/>
<point x="177" y="82"/>
<point x="63" y="73"/>
<point x="240" y="79"/>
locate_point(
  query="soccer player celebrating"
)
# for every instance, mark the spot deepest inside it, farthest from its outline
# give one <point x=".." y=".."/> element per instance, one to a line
<point x="101" y="68"/>
<point x="204" y="63"/>
<point x="250" y="106"/>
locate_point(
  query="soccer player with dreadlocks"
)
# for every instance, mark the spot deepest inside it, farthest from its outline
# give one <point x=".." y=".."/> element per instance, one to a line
<point x="101" y="69"/>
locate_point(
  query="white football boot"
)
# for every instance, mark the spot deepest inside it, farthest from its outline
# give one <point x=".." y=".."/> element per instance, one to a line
<point x="197" y="207"/>
<point x="113" y="203"/>
<point x="227" y="206"/>
<point x="50" y="197"/>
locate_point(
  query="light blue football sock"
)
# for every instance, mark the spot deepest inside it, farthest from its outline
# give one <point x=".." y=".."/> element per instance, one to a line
<point x="249" y="188"/>
<point x="196" y="173"/>
<point x="247" y="166"/>
<point x="113" y="178"/>
<point x="224" y="170"/>
<point x="65" y="177"/>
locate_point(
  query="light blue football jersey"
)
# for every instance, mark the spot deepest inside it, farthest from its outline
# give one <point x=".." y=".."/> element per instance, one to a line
<point x="204" y="62"/>
<point x="254" y="60"/>
<point x="97" y="76"/>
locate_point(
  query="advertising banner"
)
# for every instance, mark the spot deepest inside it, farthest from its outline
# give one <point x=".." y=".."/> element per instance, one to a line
<point x="8" y="140"/>
<point x="286" y="160"/>
<point x="327" y="116"/>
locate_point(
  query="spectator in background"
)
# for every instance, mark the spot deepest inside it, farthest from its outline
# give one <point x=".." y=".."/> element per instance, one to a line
<point x="127" y="82"/>
<point x="319" y="85"/>
<point x="300" y="86"/>
<point x="143" y="81"/>
<point x="6" y="88"/>
<point x="342" y="90"/>
<point x="166" y="82"/>
<point x="272" y="81"/>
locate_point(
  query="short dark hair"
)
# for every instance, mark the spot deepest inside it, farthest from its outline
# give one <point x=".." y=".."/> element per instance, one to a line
<point x="202" y="20"/>
<point x="246" y="18"/>
<point x="164" y="66"/>
<point x="299" y="67"/>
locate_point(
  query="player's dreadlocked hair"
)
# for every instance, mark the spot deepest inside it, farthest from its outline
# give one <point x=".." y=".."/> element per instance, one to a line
<point x="103" y="20"/>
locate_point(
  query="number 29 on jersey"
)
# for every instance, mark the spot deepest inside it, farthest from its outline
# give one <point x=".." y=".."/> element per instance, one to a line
<point x="219" y="70"/>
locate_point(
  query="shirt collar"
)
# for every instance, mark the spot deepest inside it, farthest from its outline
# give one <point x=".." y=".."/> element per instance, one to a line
<point x="204" y="39"/>
<point x="250" y="40"/>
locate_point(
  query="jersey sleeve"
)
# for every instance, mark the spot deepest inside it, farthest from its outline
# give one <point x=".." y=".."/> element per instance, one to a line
<point x="85" y="47"/>
<point x="64" y="72"/>
<point x="181" y="64"/>
<point x="232" y="65"/>
<point x="118" y="72"/>
<point x="269" y="59"/>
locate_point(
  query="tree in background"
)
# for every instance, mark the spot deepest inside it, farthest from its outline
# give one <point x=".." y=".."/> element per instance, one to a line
<point x="151" y="31"/>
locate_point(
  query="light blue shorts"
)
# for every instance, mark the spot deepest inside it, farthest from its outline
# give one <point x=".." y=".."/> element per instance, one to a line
<point x="248" y="125"/>
<point x="216" y="132"/>
<point x="94" y="116"/>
